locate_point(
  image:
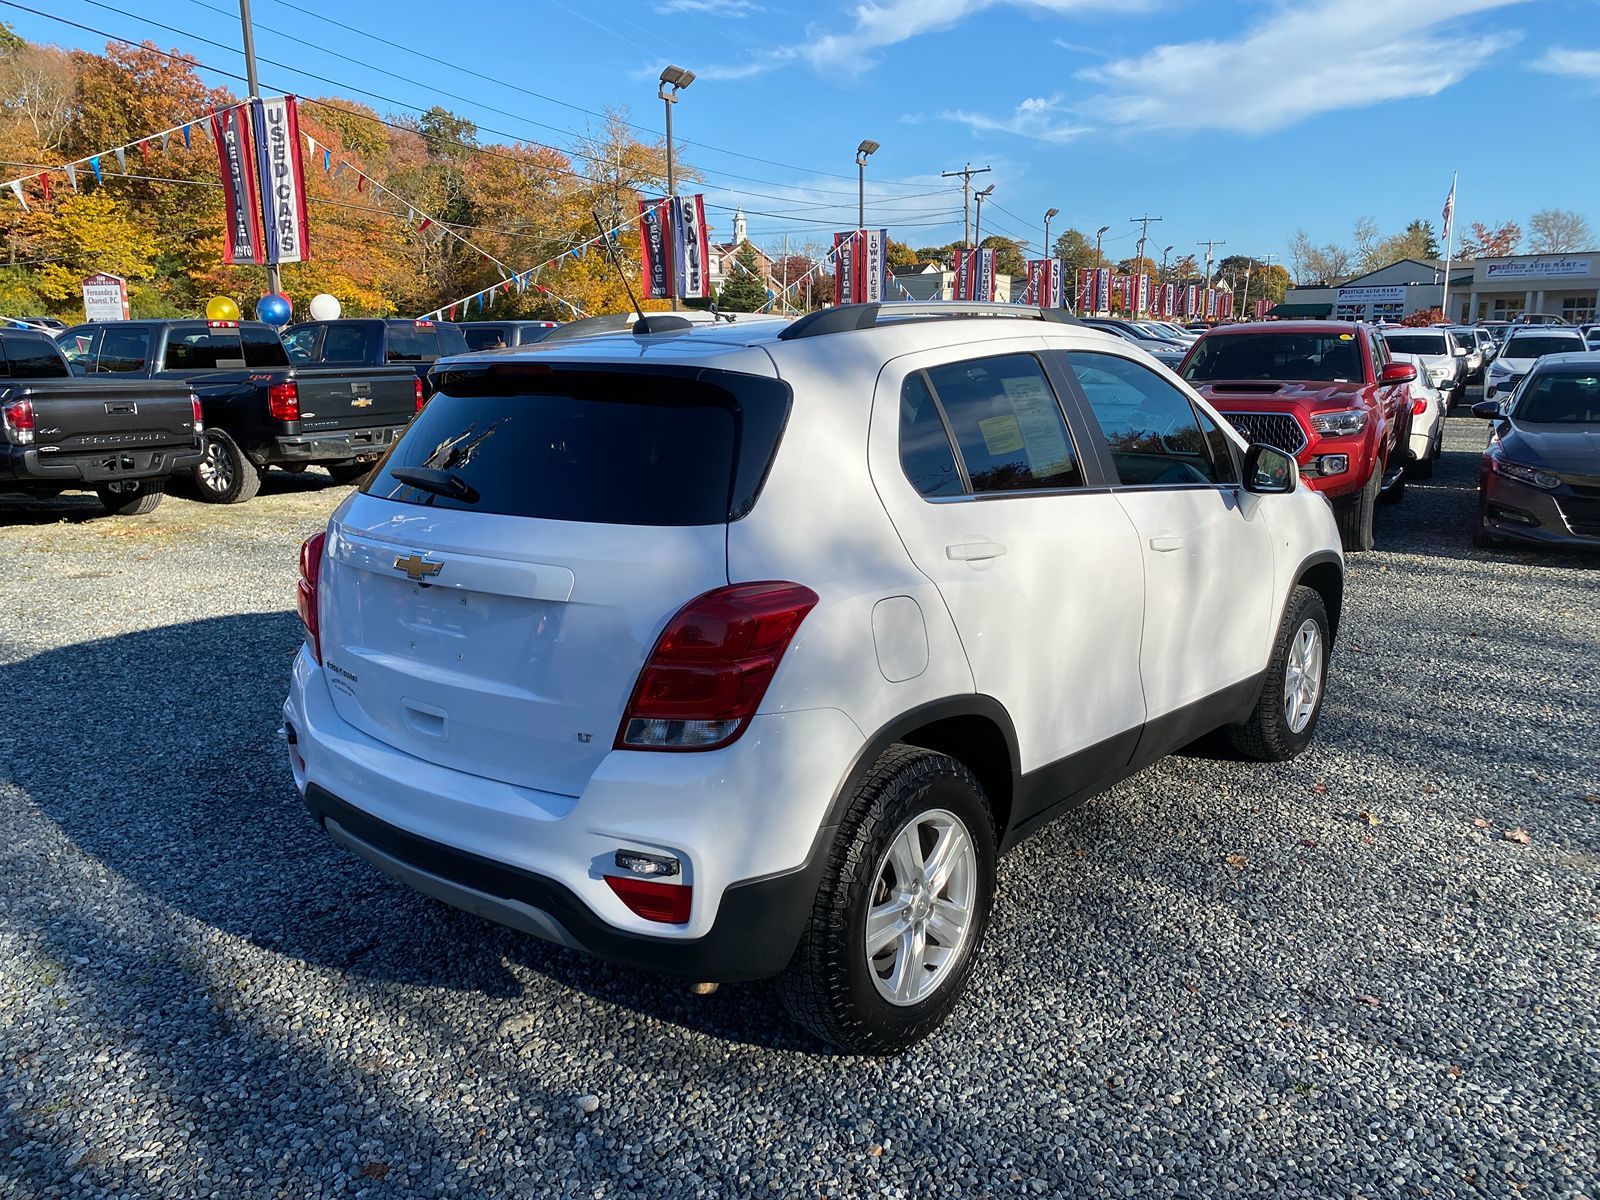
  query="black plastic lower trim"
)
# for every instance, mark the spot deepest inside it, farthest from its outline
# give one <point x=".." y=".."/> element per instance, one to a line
<point x="332" y="447"/>
<point x="757" y="927"/>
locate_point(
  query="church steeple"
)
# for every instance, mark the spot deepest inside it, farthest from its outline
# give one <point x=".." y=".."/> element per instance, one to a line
<point x="741" y="233"/>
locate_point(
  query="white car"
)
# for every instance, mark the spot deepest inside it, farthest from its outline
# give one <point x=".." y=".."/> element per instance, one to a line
<point x="745" y="650"/>
<point x="1436" y="353"/>
<point x="1428" y="408"/>
<point x="1591" y="336"/>
<point x="1523" y="347"/>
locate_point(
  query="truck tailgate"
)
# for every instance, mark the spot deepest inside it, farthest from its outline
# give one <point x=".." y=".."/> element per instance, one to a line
<point x="87" y="416"/>
<point x="334" y="398"/>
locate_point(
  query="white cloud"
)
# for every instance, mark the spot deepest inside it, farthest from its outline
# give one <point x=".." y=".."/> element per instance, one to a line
<point x="708" y="8"/>
<point x="1301" y="60"/>
<point x="1043" y="119"/>
<point x="1583" y="63"/>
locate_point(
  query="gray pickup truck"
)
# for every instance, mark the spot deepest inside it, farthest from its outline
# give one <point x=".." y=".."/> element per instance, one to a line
<point x="120" y="439"/>
<point x="260" y="411"/>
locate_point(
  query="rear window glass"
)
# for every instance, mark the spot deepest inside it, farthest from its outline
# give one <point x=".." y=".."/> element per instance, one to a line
<point x="411" y="343"/>
<point x="350" y="344"/>
<point x="615" y="447"/>
<point x="486" y="339"/>
<point x="34" y="358"/>
<point x="1537" y="345"/>
<point x="1560" y="398"/>
<point x="200" y="348"/>
<point x="1416" y="343"/>
<point x="263" y="347"/>
<point x="1327" y="357"/>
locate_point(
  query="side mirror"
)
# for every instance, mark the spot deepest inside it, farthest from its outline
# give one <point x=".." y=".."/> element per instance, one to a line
<point x="1461" y="351"/>
<point x="1397" y="373"/>
<point x="1268" y="471"/>
<point x="1488" y="410"/>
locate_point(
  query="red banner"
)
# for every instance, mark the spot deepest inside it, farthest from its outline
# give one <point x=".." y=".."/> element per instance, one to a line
<point x="974" y="275"/>
<point x="655" y="248"/>
<point x="243" y="240"/>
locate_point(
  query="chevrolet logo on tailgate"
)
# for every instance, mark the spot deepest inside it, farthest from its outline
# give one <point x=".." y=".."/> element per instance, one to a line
<point x="416" y="567"/>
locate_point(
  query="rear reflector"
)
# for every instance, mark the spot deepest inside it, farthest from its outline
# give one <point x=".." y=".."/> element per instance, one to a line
<point x="305" y="594"/>
<point x="653" y="900"/>
<point x="711" y="667"/>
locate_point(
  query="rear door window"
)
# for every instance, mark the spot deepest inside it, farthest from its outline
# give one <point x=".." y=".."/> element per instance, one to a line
<point x="609" y="447"/>
<point x="303" y="345"/>
<point x="123" y="350"/>
<point x="1007" y="423"/>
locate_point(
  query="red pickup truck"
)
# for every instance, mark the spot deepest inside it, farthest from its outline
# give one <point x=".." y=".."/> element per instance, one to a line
<point x="1326" y="392"/>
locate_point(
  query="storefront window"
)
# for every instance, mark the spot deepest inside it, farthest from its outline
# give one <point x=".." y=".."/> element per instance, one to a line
<point x="1578" y="309"/>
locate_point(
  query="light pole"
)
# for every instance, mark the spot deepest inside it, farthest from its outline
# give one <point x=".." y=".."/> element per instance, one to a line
<point x="1164" y="253"/>
<point x="863" y="152"/>
<point x="1098" y="234"/>
<point x="1048" y="213"/>
<point x="673" y="81"/>
<point x="1244" y="304"/>
<point x="977" y="223"/>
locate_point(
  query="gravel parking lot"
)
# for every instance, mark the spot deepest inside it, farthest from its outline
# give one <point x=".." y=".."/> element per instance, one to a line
<point x="1370" y="972"/>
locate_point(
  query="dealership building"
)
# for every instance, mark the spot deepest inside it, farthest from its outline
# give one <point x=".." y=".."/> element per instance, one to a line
<point x="1486" y="289"/>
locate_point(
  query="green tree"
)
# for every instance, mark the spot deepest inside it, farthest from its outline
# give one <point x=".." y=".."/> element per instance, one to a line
<point x="1008" y="256"/>
<point x="902" y="255"/>
<point x="1076" y="250"/>
<point x="746" y="288"/>
<point x="1421" y="232"/>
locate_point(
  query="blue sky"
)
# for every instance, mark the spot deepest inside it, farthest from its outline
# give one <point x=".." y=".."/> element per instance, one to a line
<point x="1238" y="121"/>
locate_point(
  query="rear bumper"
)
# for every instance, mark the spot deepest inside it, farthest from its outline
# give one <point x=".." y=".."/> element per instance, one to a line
<point x="28" y="465"/>
<point x="746" y="823"/>
<point x="334" y="446"/>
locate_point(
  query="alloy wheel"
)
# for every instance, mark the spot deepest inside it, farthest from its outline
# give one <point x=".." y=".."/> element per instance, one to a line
<point x="922" y="905"/>
<point x="1302" y="677"/>
<point x="217" y="468"/>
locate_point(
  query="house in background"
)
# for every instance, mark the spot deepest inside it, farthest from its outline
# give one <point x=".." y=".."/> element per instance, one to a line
<point x="936" y="281"/>
<point x="724" y="253"/>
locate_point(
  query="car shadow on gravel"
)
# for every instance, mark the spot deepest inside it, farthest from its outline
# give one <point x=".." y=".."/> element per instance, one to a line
<point x="164" y="765"/>
<point x="78" y="507"/>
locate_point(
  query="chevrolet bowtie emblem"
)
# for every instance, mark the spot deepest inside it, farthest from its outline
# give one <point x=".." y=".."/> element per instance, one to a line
<point x="416" y="567"/>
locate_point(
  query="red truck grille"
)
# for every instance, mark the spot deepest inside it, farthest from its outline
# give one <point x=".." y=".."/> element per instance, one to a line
<point x="1278" y="430"/>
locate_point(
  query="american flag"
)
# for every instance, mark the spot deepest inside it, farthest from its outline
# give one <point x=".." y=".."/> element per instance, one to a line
<point x="1449" y="213"/>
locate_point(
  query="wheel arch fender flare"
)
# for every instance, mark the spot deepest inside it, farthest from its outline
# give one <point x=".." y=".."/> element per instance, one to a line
<point x="1323" y="572"/>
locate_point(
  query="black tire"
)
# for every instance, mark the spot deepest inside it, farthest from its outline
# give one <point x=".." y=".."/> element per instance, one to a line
<point x="346" y="473"/>
<point x="830" y="986"/>
<point x="132" y="498"/>
<point x="226" y="475"/>
<point x="294" y="468"/>
<point x="1268" y="735"/>
<point x="1356" y="514"/>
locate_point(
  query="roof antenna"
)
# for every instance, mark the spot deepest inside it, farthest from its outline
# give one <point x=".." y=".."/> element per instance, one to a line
<point x="641" y="325"/>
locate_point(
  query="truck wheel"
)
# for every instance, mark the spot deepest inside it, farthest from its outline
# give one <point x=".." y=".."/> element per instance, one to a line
<point x="346" y="473"/>
<point x="225" y="475"/>
<point x="1355" y="514"/>
<point x="133" y="497"/>
<point x="1286" y="714"/>
<point x="901" y="909"/>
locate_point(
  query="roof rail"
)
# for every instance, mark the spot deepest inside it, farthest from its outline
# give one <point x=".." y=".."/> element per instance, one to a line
<point x="844" y="318"/>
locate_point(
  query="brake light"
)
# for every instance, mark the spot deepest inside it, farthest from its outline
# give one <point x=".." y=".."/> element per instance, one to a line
<point x="283" y="401"/>
<point x="199" y="417"/>
<point x="421" y="399"/>
<point x="653" y="900"/>
<point x="17" y="418"/>
<point x="711" y="666"/>
<point x="305" y="592"/>
<point x="1419" y="406"/>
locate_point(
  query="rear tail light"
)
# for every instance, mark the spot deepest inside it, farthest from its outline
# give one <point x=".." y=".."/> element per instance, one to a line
<point x="653" y="900"/>
<point x="1419" y="406"/>
<point x="17" y="418"/>
<point x="283" y="401"/>
<point x="711" y="666"/>
<point x="417" y="393"/>
<point x="305" y="594"/>
<point x="199" y="417"/>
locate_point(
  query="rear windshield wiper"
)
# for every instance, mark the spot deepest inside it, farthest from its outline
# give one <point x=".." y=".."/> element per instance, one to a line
<point x="440" y="483"/>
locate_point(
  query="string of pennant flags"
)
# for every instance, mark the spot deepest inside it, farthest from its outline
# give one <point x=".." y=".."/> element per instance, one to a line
<point x="93" y="164"/>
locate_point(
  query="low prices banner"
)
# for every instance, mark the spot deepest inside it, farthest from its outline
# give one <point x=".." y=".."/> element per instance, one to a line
<point x="690" y="248"/>
<point x="655" y="248"/>
<point x="244" y="244"/>
<point x="283" y="179"/>
<point x="974" y="275"/>
<point x="860" y="266"/>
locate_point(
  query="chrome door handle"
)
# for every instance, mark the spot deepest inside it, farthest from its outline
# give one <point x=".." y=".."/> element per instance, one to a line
<point x="974" y="551"/>
<point x="1166" y="543"/>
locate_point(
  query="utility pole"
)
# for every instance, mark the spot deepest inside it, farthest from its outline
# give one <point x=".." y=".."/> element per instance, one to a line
<point x="966" y="174"/>
<point x="1210" y="244"/>
<point x="1144" y="224"/>
<point x="786" y="272"/>
<point x="274" y="280"/>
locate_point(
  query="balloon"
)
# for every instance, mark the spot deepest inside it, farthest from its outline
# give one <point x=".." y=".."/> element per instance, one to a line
<point x="325" y="307"/>
<point x="274" y="308"/>
<point x="220" y="308"/>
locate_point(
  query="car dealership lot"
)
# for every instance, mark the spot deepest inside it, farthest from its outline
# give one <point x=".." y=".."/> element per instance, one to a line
<point x="1336" y="976"/>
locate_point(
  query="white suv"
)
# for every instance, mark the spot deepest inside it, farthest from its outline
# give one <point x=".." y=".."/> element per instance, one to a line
<point x="744" y="650"/>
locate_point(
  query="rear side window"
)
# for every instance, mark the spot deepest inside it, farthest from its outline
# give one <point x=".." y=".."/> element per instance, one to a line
<point x="609" y="447"/>
<point x="350" y="343"/>
<point x="301" y="344"/>
<point x="411" y="343"/>
<point x="450" y="339"/>
<point x="34" y="358"/>
<point x="200" y="348"/>
<point x="1152" y="430"/>
<point x="263" y="347"/>
<point x="925" y="453"/>
<point x="1007" y="423"/>
<point x="123" y="351"/>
